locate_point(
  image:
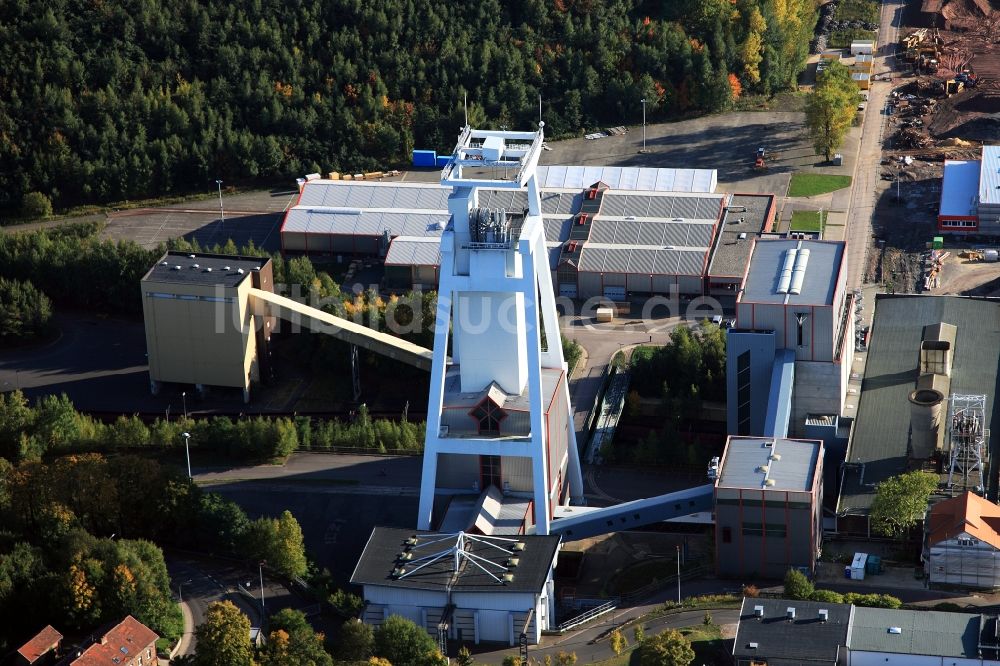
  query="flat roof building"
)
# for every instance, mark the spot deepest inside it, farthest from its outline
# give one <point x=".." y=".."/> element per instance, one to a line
<point x="199" y="327"/>
<point x="501" y="586"/>
<point x="959" y="209"/>
<point x="882" y="441"/>
<point x="970" y="195"/>
<point x="794" y="301"/>
<point x="747" y="218"/>
<point x="787" y="632"/>
<point x="881" y="636"/>
<point x="768" y="506"/>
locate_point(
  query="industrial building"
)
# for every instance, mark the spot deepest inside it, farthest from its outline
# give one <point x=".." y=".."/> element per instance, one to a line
<point x="768" y="506"/>
<point x="790" y="352"/>
<point x="199" y="326"/>
<point x="970" y="195"/>
<point x="959" y="209"/>
<point x="927" y="394"/>
<point x="962" y="542"/>
<point x="209" y="320"/>
<point x="748" y="218"/>
<point x="609" y="231"/>
<point x="461" y="586"/>
<point x="787" y="632"/>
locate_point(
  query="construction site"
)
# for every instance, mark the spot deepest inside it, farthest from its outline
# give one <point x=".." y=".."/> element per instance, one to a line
<point x="945" y="104"/>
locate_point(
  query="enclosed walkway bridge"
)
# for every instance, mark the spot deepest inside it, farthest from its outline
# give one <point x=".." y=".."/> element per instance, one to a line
<point x="581" y="522"/>
<point x="267" y="304"/>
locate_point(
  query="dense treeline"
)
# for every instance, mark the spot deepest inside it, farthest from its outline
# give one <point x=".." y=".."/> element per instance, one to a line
<point x="108" y="101"/>
<point x="76" y="548"/>
<point x="24" y="312"/>
<point x="53" y="426"/>
<point x="76" y="268"/>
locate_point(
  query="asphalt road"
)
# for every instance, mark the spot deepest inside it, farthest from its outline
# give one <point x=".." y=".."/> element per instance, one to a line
<point x="866" y="171"/>
<point x="198" y="582"/>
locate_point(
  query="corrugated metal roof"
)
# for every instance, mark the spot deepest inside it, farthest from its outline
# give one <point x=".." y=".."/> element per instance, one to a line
<point x="745" y="457"/>
<point x="960" y="188"/>
<point x="821" y="274"/>
<point x="927" y="633"/>
<point x="556" y="229"/>
<point x="409" y="251"/>
<point x="989" y="176"/>
<point x="629" y="178"/>
<point x="881" y="427"/>
<point x="364" y="223"/>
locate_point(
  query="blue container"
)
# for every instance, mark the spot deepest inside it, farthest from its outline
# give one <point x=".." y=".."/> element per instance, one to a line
<point x="425" y="158"/>
<point x="847" y="573"/>
<point x="443" y="160"/>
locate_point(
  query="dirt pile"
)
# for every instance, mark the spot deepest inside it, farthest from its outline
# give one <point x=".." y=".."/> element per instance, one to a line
<point x="962" y="14"/>
<point x="972" y="115"/>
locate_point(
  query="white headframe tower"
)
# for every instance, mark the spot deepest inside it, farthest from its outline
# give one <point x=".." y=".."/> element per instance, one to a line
<point x="499" y="414"/>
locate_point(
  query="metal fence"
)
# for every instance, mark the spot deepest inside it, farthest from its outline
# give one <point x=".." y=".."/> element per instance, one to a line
<point x="589" y="615"/>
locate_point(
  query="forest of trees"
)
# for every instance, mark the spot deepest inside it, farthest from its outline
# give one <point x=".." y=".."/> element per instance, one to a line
<point x="24" y="312"/>
<point x="77" y="549"/>
<point x="107" y="101"/>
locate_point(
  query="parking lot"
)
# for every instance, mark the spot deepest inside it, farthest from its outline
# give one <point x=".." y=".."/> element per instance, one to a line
<point x="252" y="216"/>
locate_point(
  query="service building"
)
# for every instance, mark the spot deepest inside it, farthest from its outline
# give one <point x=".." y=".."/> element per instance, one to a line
<point x="200" y="328"/>
<point x="768" y="506"/>
<point x="469" y="588"/>
<point x="789" y="355"/>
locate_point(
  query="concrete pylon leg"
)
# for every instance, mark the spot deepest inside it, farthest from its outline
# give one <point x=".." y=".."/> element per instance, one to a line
<point x="428" y="482"/>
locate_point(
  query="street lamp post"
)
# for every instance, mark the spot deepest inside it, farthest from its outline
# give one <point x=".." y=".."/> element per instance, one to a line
<point x="187" y="450"/>
<point x="678" y="574"/>
<point x="260" y="569"/>
<point x="643" y="100"/>
<point x="222" y="212"/>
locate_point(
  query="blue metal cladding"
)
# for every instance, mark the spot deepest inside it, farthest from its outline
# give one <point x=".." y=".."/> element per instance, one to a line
<point x="425" y="158"/>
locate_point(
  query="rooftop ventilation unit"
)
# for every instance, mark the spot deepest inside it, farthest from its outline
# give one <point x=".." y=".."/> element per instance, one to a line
<point x="769" y="483"/>
<point x="790" y="612"/>
<point x="226" y="268"/>
<point x="799" y="271"/>
<point x="775" y="456"/>
<point x="824" y="615"/>
<point x="513" y="562"/>
<point x="752" y="646"/>
<point x="163" y="263"/>
<point x="758" y="611"/>
<point x="190" y="256"/>
<point x="895" y="630"/>
<point x="519" y="546"/>
<point x="786" y="272"/>
<point x="763" y="468"/>
<point x="176" y="268"/>
<point x="208" y="270"/>
<point x="240" y="271"/>
<point x="508" y="578"/>
<point x="193" y="266"/>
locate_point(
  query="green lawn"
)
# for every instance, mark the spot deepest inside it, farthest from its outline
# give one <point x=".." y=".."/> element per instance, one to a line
<point x="806" y="220"/>
<point x="811" y="184"/>
<point x="706" y="640"/>
<point x="857" y="10"/>
<point x="841" y="39"/>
